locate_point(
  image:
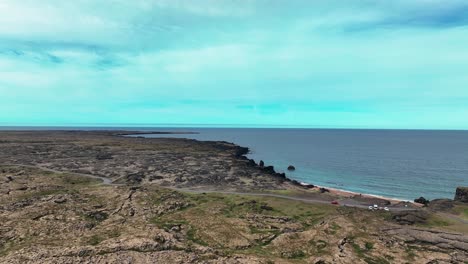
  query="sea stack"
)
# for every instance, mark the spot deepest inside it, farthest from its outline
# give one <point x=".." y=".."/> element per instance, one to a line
<point x="461" y="195"/>
<point x="261" y="164"/>
<point x="291" y="168"/>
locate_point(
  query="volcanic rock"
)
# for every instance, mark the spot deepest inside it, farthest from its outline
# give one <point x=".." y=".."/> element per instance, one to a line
<point x="461" y="194"/>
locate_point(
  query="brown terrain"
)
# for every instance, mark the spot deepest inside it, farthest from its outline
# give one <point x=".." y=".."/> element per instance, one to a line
<point x="99" y="197"/>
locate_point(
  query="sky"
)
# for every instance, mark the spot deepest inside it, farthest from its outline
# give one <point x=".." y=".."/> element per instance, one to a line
<point x="399" y="64"/>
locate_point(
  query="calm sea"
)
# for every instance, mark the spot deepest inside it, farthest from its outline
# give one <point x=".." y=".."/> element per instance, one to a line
<point x="403" y="164"/>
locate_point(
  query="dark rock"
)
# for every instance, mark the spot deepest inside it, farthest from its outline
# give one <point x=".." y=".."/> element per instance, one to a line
<point x="269" y="169"/>
<point x="324" y="190"/>
<point x="89" y="225"/>
<point x="261" y="164"/>
<point x="281" y="175"/>
<point x="461" y="194"/>
<point x="22" y="188"/>
<point x="104" y="156"/>
<point x="135" y="177"/>
<point x="291" y="168"/>
<point x="410" y="217"/>
<point x="98" y="216"/>
<point x="266" y="207"/>
<point x="241" y="151"/>
<point x="296" y="182"/>
<point x="251" y="162"/>
<point x="84" y="252"/>
<point x="156" y="177"/>
<point x="9" y="179"/>
<point x="422" y="200"/>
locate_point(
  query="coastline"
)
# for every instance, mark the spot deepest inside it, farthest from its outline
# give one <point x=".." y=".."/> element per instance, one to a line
<point x="243" y="151"/>
<point x="350" y="194"/>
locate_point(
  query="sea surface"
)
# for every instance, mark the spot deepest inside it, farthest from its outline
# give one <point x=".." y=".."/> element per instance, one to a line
<point x="403" y="164"/>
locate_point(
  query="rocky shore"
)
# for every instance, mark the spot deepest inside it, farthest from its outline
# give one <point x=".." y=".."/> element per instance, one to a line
<point x="98" y="197"/>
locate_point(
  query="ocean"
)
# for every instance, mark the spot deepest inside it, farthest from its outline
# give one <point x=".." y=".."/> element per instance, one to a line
<point x="402" y="164"/>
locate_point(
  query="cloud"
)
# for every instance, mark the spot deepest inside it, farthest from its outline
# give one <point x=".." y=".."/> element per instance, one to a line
<point x="266" y="61"/>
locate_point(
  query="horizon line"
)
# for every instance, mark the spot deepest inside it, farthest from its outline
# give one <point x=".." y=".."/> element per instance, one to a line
<point x="214" y="126"/>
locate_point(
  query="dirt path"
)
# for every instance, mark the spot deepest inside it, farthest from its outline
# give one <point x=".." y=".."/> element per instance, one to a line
<point x="107" y="181"/>
<point x="307" y="200"/>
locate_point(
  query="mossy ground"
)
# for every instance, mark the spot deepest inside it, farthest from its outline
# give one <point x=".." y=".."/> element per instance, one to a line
<point x="271" y="228"/>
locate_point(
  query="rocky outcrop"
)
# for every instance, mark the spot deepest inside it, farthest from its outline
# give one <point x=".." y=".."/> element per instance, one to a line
<point x="261" y="164"/>
<point x="410" y="217"/>
<point x="291" y="168"/>
<point x="421" y="200"/>
<point x="439" y="239"/>
<point x="461" y="195"/>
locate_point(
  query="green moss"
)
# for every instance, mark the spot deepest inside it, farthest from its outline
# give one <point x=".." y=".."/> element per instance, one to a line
<point x="376" y="260"/>
<point x="410" y="255"/>
<point x="369" y="246"/>
<point x="436" y="221"/>
<point x="192" y="236"/>
<point x="298" y="254"/>
<point x="95" y="240"/>
<point x="358" y="250"/>
<point x="41" y="193"/>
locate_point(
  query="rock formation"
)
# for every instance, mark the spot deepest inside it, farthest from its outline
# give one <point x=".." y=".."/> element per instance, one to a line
<point x="421" y="200"/>
<point x="461" y="194"/>
<point x="291" y="168"/>
<point x="261" y="164"/>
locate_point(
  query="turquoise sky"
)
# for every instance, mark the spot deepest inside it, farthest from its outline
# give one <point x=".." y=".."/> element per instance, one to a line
<point x="302" y="63"/>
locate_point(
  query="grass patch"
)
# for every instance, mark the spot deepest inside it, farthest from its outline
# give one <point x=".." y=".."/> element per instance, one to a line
<point x="298" y="254"/>
<point x="42" y="193"/>
<point x="376" y="260"/>
<point x="410" y="255"/>
<point x="369" y="246"/>
<point x="95" y="240"/>
<point x="437" y="221"/>
<point x="192" y="236"/>
<point x="462" y="211"/>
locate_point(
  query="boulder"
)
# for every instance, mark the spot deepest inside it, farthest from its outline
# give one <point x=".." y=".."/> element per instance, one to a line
<point x="135" y="178"/>
<point x="261" y="164"/>
<point x="291" y="168"/>
<point x="461" y="194"/>
<point x="422" y="200"/>
<point x="324" y="190"/>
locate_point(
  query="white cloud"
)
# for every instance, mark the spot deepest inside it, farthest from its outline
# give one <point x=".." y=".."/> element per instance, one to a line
<point x="88" y="53"/>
